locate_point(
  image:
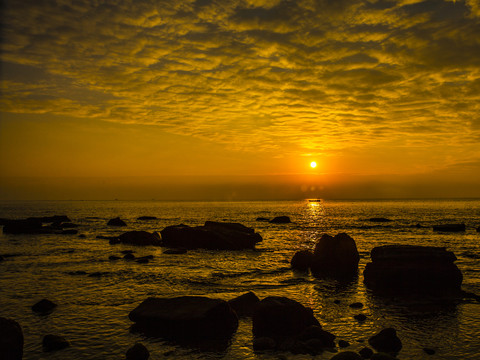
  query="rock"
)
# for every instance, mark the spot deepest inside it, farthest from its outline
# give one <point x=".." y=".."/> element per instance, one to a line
<point x="379" y="219"/>
<point x="302" y="260"/>
<point x="116" y="222"/>
<point x="113" y="257"/>
<point x="82" y="236"/>
<point x="279" y="317"/>
<point x="140" y="238"/>
<point x="449" y="227"/>
<point x="127" y="252"/>
<point x="11" y="340"/>
<point x="129" y="256"/>
<point x="175" y="251"/>
<point x="360" y="317"/>
<point x="280" y="220"/>
<point x="316" y="332"/>
<point x="244" y="305"/>
<point x="69" y="232"/>
<point x="143" y="260"/>
<point x="51" y="219"/>
<point x="185" y="318"/>
<point x="54" y="342"/>
<point x="147" y="218"/>
<point x="44" y="306"/>
<point x="263" y="343"/>
<point x="28" y="226"/>
<point x="382" y="356"/>
<point x="346" y="355"/>
<point x="366" y="353"/>
<point x="356" y="305"/>
<point x="335" y="257"/>
<point x="96" y="274"/>
<point x="212" y="235"/>
<point x="386" y="341"/>
<point x="106" y="237"/>
<point x="343" y="343"/>
<point x="138" y="352"/>
<point x="114" y="241"/>
<point x="67" y="225"/>
<point x="262" y="219"/>
<point x="428" y="351"/>
<point x="78" y="272"/>
<point x="407" y="269"/>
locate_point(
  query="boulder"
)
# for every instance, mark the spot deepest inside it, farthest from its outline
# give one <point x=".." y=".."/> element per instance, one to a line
<point x="138" y="352"/>
<point x="386" y="341"/>
<point x="343" y="343"/>
<point x="407" y="269"/>
<point x="346" y="355"/>
<point x="11" y="340"/>
<point x="356" y="305"/>
<point x="315" y="332"/>
<point x="280" y="317"/>
<point x="147" y="218"/>
<point x="244" y="305"/>
<point x="302" y="260"/>
<point x="360" y="317"/>
<point x="428" y="351"/>
<point x="366" y="352"/>
<point x="185" y="318"/>
<point x="280" y="220"/>
<point x="140" y="238"/>
<point x="28" y="226"/>
<point x="335" y="256"/>
<point x="449" y="227"/>
<point x="212" y="235"/>
<point x="54" y="342"/>
<point x="263" y="343"/>
<point x="44" y="306"/>
<point x="116" y="222"/>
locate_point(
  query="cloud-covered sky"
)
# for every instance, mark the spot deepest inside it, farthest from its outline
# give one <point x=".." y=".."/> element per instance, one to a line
<point x="366" y="87"/>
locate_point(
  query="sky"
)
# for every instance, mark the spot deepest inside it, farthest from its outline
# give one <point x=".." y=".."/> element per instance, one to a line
<point x="232" y="99"/>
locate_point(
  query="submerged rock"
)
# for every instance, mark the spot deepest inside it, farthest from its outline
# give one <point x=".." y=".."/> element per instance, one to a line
<point x="140" y="238"/>
<point x="449" y="227"/>
<point x="138" y="352"/>
<point x="244" y="305"/>
<point x="386" y="341"/>
<point x="212" y="235"/>
<point x="44" y="306"/>
<point x="54" y="342"/>
<point x="116" y="222"/>
<point x="403" y="269"/>
<point x="185" y="318"/>
<point x="280" y="220"/>
<point x="11" y="340"/>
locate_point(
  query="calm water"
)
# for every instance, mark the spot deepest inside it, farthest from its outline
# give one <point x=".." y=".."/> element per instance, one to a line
<point x="93" y="311"/>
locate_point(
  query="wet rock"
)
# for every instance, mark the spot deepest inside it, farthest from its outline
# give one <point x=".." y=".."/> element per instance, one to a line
<point x="366" y="353"/>
<point x="449" y="227"/>
<point x="262" y="219"/>
<point x="470" y="295"/>
<point x="129" y="256"/>
<point x="244" y="305"/>
<point x="116" y="222"/>
<point x="143" y="260"/>
<point x="212" y="235"/>
<point x="138" y="352"/>
<point x="302" y="260"/>
<point x="44" y="306"/>
<point x="175" y="251"/>
<point x="113" y="257"/>
<point x="185" y="318"/>
<point x="407" y="269"/>
<point x="114" y="241"/>
<point x="11" y="340"/>
<point x="360" y="317"/>
<point x="356" y="305"/>
<point x="382" y="356"/>
<point x="335" y="257"/>
<point x="346" y="355"/>
<point x="140" y="238"/>
<point x="54" y="342"/>
<point x="147" y="218"/>
<point x="279" y="317"/>
<point x="386" y="341"/>
<point x="343" y="343"/>
<point x="29" y="226"/>
<point x="316" y="332"/>
<point x="379" y="219"/>
<point x="280" y="220"/>
<point x="263" y="343"/>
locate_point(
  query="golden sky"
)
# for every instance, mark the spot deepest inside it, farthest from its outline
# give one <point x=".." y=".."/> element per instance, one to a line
<point x="382" y="94"/>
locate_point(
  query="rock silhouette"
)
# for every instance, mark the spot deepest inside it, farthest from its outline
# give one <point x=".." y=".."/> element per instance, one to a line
<point x="44" y="306"/>
<point x="386" y="341"/>
<point x="11" y="340"/>
<point x="140" y="238"/>
<point x="280" y="220"/>
<point x="449" y="227"/>
<point x="147" y="218"/>
<point x="137" y="352"/>
<point x="116" y="222"/>
<point x="302" y="260"/>
<point x="244" y="305"/>
<point x="54" y="342"/>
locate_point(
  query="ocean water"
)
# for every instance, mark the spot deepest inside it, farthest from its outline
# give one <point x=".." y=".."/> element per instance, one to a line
<point x="92" y="312"/>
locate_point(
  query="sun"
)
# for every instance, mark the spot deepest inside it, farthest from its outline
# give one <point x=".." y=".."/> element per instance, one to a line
<point x="313" y="164"/>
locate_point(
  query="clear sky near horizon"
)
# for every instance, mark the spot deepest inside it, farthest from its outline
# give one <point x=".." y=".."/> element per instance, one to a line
<point x="226" y="100"/>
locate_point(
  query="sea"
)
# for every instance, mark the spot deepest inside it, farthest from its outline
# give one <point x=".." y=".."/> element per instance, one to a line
<point x="95" y="295"/>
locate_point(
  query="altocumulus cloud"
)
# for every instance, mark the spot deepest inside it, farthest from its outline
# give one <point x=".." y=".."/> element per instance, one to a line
<point x="309" y="76"/>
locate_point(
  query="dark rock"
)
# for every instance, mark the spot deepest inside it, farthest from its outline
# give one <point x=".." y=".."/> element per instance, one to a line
<point x="142" y="260"/>
<point x="185" y="318"/>
<point x="113" y="257"/>
<point x="407" y="269"/>
<point x="379" y="219"/>
<point x="11" y="340"/>
<point x="316" y="332"/>
<point x="147" y="218"/>
<point x="244" y="305"/>
<point x="262" y="219"/>
<point x="78" y="272"/>
<point x="68" y="225"/>
<point x="366" y="353"/>
<point x="54" y="342"/>
<point x="302" y="260"/>
<point x="280" y="220"/>
<point x="382" y="356"/>
<point x="263" y="343"/>
<point x="114" y="241"/>
<point x="360" y="317"/>
<point x="138" y="352"/>
<point x="299" y="347"/>
<point x="29" y="226"/>
<point x="127" y="252"/>
<point x="129" y="256"/>
<point x="449" y="227"/>
<point x="386" y="341"/>
<point x="96" y="274"/>
<point x="140" y="238"/>
<point x="280" y="317"/>
<point x="343" y="343"/>
<point x="428" y="351"/>
<point x="44" y="306"/>
<point x="346" y="355"/>
<point x="356" y="305"/>
<point x="212" y="235"/>
<point x="51" y="219"/>
<point x="103" y="237"/>
<point x="116" y="222"/>
<point x="82" y="236"/>
<point x="470" y="295"/>
<point x="175" y="251"/>
<point x="335" y="256"/>
<point x="69" y="232"/>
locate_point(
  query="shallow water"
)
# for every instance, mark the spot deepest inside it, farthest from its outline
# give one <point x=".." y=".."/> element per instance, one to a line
<point x="93" y="311"/>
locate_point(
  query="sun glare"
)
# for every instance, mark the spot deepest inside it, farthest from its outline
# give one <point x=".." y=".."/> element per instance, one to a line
<point x="313" y="164"/>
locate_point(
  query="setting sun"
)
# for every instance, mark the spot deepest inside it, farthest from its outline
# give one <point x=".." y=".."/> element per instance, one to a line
<point x="313" y="164"/>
